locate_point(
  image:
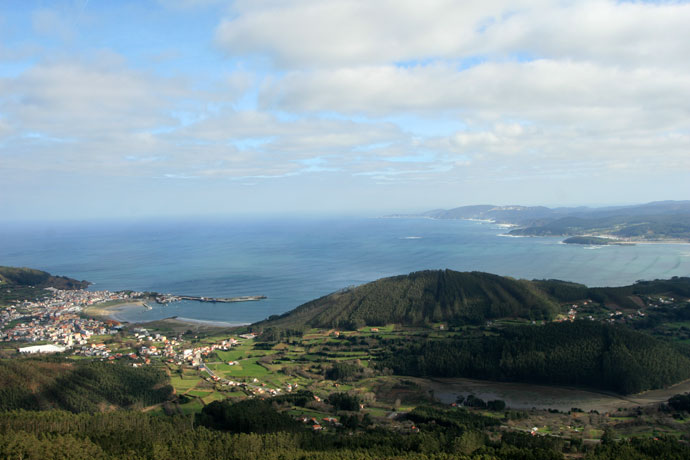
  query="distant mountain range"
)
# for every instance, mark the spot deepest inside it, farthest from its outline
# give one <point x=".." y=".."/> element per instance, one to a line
<point x="656" y="221"/>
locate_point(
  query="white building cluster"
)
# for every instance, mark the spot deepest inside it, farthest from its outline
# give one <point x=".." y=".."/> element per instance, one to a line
<point x="57" y="319"/>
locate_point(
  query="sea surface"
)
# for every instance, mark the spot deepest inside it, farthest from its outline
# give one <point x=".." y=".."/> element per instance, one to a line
<point x="292" y="261"/>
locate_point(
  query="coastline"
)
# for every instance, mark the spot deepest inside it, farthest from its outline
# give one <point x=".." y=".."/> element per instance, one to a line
<point x="617" y="241"/>
<point x="203" y="322"/>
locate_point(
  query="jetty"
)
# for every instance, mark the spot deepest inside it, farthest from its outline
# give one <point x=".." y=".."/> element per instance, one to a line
<point x="164" y="299"/>
<point x="245" y="298"/>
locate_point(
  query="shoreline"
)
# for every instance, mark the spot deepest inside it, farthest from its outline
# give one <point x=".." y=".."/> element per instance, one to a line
<point x="202" y="322"/>
<point x="615" y="241"/>
<point x="621" y="241"/>
<point x="181" y="324"/>
<point x="109" y="310"/>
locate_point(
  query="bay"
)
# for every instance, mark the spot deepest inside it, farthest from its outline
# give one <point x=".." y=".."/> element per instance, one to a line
<point x="292" y="261"/>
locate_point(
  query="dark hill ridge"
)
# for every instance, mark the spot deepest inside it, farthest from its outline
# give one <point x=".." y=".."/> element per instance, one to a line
<point x="19" y="284"/>
<point x="424" y="297"/>
<point x="15" y="276"/>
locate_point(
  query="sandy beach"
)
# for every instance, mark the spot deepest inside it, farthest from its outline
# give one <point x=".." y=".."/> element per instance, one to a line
<point x="110" y="310"/>
<point x="179" y="325"/>
<point x="113" y="311"/>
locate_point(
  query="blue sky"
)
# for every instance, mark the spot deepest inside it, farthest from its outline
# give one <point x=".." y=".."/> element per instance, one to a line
<point x="188" y="107"/>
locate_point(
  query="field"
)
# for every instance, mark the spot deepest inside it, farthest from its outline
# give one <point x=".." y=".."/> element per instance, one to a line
<point x="302" y="362"/>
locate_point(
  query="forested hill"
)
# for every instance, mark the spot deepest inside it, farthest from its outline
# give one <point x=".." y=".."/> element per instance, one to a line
<point x="23" y="277"/>
<point x="428" y="297"/>
<point x="422" y="298"/>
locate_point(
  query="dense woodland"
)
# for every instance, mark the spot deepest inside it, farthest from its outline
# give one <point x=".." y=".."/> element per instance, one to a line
<point x="442" y="434"/>
<point x="79" y="386"/>
<point x="580" y="353"/>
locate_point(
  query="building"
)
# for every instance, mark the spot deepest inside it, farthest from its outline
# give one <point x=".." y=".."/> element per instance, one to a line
<point x="43" y="349"/>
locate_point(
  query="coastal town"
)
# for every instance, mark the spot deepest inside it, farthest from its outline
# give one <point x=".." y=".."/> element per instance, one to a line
<point x="60" y="323"/>
<point x="59" y="319"/>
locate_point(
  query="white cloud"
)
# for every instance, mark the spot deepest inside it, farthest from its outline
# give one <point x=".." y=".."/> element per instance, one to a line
<point x="346" y="32"/>
<point x="71" y="99"/>
<point x="314" y="33"/>
<point x="511" y="88"/>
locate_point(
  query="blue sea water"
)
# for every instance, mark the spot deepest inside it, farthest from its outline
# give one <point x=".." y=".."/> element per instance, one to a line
<point x="292" y="261"/>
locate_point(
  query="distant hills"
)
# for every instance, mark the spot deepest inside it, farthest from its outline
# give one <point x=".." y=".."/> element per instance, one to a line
<point x="427" y="297"/>
<point x="656" y="221"/>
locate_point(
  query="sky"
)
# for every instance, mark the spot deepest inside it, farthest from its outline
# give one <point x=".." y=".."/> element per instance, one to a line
<point x="130" y="109"/>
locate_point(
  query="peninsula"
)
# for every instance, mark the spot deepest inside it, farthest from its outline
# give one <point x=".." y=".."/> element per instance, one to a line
<point x="659" y="222"/>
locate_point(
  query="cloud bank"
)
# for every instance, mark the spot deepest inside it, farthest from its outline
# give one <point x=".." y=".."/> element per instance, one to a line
<point x="436" y="102"/>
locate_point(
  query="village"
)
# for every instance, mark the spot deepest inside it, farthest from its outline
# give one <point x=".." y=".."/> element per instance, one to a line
<point x="60" y="323"/>
<point x="59" y="318"/>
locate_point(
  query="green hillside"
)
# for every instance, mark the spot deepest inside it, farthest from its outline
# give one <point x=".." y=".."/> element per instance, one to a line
<point x="422" y="298"/>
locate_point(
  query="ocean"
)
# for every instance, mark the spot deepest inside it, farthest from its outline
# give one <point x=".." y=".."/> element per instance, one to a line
<point x="292" y="261"/>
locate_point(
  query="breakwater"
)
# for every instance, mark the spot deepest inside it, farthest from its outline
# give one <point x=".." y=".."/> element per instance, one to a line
<point x="168" y="298"/>
<point x="246" y="298"/>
